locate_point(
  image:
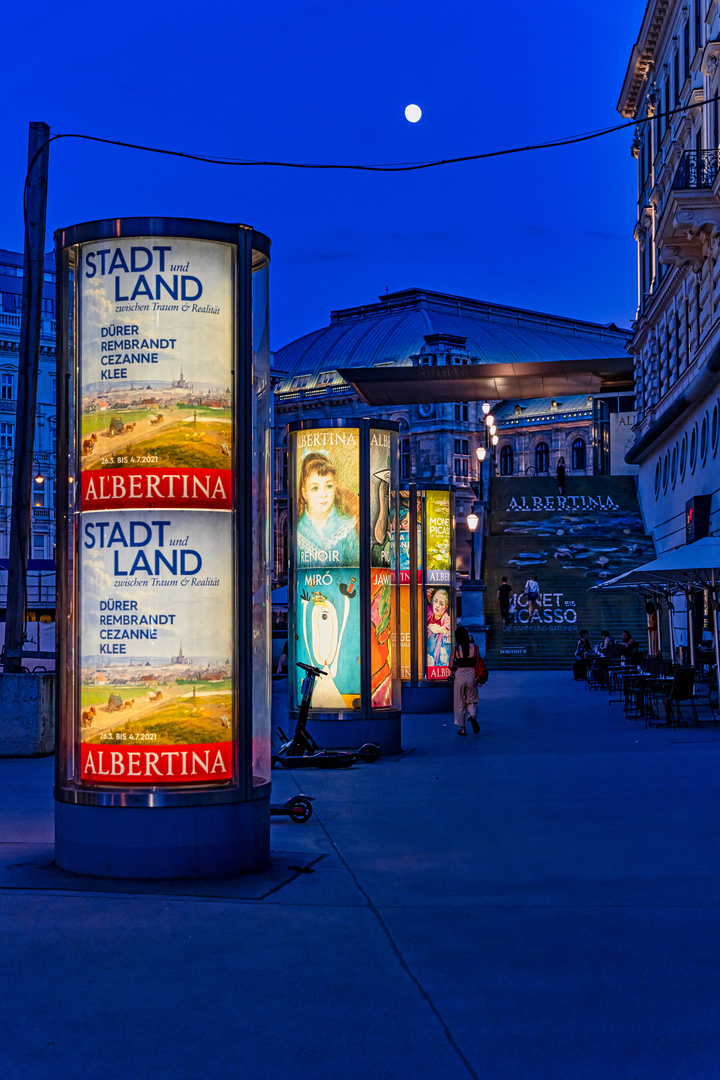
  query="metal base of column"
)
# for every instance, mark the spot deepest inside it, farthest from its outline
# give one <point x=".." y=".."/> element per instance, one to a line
<point x="427" y="698"/>
<point x="163" y="842"/>
<point x="351" y="734"/>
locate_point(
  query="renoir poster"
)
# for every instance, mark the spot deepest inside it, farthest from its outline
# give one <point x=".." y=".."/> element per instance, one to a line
<point x="156" y="645"/>
<point x="327" y="564"/>
<point x="438" y="594"/>
<point x="155" y="353"/>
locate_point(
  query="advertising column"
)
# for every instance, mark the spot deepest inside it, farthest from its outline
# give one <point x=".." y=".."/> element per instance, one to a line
<point x="156" y="635"/>
<point x="343" y="609"/>
<point x="163" y="718"/>
<point x="439" y="593"/>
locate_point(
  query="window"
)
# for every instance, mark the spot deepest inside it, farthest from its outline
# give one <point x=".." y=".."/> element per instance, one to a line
<point x="53" y="391"/>
<point x="461" y="413"/>
<point x="506" y="461"/>
<point x="38" y="545"/>
<point x="714" y="431"/>
<point x="665" y="471"/>
<point x="673" y="465"/>
<point x="48" y="308"/>
<point x="676" y="74"/>
<point x="698" y="24"/>
<point x="693" y="448"/>
<point x="704" y="439"/>
<point x="326" y="377"/>
<point x="683" y="456"/>
<point x="542" y="458"/>
<point x="686" y="50"/>
<point x="10" y="271"/>
<point x="6" y="436"/>
<point x="405" y="459"/>
<point x="658" y="477"/>
<point x="578" y="455"/>
<point x="461" y="461"/>
<point x="7" y="390"/>
<point x="11" y="302"/>
<point x="300" y="382"/>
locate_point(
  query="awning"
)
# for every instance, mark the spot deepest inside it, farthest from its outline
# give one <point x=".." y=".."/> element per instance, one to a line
<point x="406" y="385"/>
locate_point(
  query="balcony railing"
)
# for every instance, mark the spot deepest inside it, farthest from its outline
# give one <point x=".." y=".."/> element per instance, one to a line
<point x="697" y="169"/>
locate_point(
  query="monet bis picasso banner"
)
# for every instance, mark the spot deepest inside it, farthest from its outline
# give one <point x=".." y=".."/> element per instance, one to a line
<point x="156" y="436"/>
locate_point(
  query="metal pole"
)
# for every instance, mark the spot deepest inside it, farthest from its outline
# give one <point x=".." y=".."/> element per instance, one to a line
<point x="671" y="629"/>
<point x="33" y="268"/>
<point x="713" y="599"/>
<point x="690" y="605"/>
<point x="472" y="556"/>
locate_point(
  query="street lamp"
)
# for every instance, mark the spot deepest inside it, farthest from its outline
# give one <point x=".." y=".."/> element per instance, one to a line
<point x="481" y="452"/>
<point x="486" y="406"/>
<point x="472" y="520"/>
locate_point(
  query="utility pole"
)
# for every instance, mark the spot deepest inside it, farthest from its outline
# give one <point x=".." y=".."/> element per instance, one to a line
<point x="35" y="203"/>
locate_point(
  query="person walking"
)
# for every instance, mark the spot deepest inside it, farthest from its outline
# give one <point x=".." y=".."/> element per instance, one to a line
<point x="503" y="598"/>
<point x="531" y="593"/>
<point x="560" y="474"/>
<point x="465" y="692"/>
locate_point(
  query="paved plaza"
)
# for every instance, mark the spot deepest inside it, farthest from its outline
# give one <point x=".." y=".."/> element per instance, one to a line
<point x="539" y="902"/>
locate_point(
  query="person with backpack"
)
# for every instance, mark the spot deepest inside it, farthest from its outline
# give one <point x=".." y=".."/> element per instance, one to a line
<point x="465" y="701"/>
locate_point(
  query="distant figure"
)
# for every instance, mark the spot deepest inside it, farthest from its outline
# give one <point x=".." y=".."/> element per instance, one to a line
<point x="503" y="598"/>
<point x="560" y="474"/>
<point x="465" y="693"/>
<point x="531" y="594"/>
<point x="282" y="662"/>
<point x="582" y="650"/>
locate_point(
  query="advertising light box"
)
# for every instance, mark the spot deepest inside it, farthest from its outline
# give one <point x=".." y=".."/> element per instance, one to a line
<point x="343" y="609"/>
<point x="155" y="360"/>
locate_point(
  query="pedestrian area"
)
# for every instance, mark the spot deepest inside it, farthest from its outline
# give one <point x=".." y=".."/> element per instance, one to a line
<point x="538" y="902"/>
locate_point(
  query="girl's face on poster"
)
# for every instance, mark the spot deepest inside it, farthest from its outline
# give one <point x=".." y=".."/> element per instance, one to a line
<point x="319" y="495"/>
<point x="439" y="604"/>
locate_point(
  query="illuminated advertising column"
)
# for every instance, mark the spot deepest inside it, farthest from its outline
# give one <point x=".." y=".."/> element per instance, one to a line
<point x="343" y="579"/>
<point x="426" y="583"/>
<point x="164" y="550"/>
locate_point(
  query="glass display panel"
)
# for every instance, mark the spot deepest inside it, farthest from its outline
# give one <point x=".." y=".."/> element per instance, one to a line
<point x="404" y="585"/>
<point x="327" y="565"/>
<point x="261" y="504"/>
<point x="155" y="361"/>
<point x="382" y="562"/>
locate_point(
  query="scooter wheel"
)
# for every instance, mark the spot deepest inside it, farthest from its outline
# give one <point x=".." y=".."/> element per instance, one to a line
<point x="300" y="809"/>
<point x="369" y="752"/>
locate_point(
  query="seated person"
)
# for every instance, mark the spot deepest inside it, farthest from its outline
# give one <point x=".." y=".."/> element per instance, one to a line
<point x="628" y="645"/>
<point x="607" y="644"/>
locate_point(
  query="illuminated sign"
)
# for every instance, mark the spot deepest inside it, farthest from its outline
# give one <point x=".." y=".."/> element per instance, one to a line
<point x="155" y="361"/>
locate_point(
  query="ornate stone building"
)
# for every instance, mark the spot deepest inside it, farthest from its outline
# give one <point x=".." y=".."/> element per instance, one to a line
<point x="438" y="442"/>
<point x="672" y="89"/>
<point x="41" y="566"/>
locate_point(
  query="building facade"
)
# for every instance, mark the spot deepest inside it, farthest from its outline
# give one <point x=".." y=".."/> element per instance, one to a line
<point x="438" y="442"/>
<point x="41" y="565"/>
<point x="672" y="90"/>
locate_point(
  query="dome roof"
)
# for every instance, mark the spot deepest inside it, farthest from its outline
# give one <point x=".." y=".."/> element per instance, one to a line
<point x="417" y="321"/>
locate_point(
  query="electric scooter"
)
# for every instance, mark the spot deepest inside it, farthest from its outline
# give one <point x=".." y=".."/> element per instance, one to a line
<point x="297" y="808"/>
<point x="302" y="752"/>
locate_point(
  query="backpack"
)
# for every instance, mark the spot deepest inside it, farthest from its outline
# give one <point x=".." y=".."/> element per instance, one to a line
<point x="481" y="671"/>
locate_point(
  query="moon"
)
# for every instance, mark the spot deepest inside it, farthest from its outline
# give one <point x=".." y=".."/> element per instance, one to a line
<point x="413" y="113"/>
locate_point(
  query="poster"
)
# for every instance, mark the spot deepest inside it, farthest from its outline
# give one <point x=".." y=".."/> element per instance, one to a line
<point x="327" y="564"/>
<point x="404" y="585"/>
<point x="437" y="537"/>
<point x="155" y="449"/>
<point x="439" y="631"/>
<point x="156" y="646"/>
<point x="382" y="562"/>
<point x="156" y="364"/>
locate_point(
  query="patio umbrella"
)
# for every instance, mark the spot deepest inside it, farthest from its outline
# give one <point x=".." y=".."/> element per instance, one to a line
<point x="693" y="566"/>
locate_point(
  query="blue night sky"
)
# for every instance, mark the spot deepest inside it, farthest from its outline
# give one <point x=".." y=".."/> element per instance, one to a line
<point x="323" y="81"/>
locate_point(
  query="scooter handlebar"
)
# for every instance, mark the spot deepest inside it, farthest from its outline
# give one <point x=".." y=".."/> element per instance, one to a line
<point x="310" y="669"/>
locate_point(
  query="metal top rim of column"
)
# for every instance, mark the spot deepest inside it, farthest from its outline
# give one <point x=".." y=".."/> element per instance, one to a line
<point x="187" y="228"/>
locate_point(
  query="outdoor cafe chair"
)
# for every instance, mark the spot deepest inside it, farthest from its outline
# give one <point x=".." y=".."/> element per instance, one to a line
<point x="667" y="696"/>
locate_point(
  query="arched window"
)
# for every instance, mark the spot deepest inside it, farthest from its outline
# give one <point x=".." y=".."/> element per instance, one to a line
<point x="578" y="455"/>
<point x="506" y="461"/>
<point x="542" y="458"/>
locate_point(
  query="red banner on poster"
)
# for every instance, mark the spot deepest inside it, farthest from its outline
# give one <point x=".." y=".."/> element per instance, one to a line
<point x="154" y="764"/>
<point x="163" y="488"/>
